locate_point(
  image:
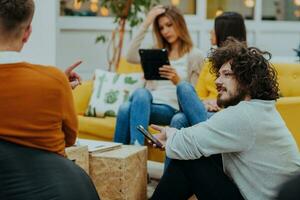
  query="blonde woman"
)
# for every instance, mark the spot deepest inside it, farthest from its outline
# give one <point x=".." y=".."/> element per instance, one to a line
<point x="157" y="102"/>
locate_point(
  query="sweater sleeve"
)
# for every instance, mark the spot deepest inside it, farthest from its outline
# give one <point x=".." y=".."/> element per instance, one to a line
<point x="133" y="50"/>
<point x="227" y="131"/>
<point x="69" y="123"/>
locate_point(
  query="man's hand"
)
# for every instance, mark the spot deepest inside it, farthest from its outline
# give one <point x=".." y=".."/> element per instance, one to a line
<point x="211" y="105"/>
<point x="166" y="71"/>
<point x="162" y="136"/>
<point x="73" y="77"/>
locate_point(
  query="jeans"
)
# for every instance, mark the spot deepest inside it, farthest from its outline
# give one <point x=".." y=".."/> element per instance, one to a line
<point x="192" y="110"/>
<point x="140" y="110"/>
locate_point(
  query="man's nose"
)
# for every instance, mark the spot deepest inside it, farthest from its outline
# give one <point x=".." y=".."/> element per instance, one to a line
<point x="218" y="81"/>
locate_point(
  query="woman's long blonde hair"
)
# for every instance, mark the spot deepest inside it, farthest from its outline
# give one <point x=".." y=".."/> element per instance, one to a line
<point x="175" y="16"/>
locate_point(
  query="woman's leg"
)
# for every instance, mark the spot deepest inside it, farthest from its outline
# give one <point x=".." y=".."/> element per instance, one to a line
<point x="139" y="114"/>
<point x="179" y="121"/>
<point x="122" y="134"/>
<point x="190" y="104"/>
<point x="161" y="114"/>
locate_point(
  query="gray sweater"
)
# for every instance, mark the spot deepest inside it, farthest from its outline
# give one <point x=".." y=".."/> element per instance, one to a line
<point x="259" y="152"/>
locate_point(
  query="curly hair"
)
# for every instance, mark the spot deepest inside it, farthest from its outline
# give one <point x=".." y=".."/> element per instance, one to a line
<point x="250" y="66"/>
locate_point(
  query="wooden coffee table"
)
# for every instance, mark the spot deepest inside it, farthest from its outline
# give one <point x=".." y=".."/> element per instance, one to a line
<point x="120" y="174"/>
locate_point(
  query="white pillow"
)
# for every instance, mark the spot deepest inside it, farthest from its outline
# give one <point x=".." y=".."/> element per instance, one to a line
<point x="110" y="90"/>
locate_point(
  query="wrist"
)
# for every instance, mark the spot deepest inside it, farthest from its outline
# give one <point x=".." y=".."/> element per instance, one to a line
<point x="146" y="24"/>
<point x="170" y="132"/>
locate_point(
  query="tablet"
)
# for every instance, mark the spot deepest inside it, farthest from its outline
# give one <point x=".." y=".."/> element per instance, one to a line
<point x="152" y="60"/>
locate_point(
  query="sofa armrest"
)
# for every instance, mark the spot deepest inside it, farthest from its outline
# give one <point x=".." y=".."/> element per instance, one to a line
<point x="81" y="95"/>
<point x="289" y="108"/>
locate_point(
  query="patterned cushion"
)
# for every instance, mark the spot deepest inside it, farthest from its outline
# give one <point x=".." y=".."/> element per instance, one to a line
<point x="110" y="90"/>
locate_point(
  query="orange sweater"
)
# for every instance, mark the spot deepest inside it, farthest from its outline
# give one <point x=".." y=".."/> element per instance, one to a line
<point x="36" y="107"/>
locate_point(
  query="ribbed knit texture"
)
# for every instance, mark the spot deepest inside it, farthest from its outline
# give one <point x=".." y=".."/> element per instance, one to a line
<point x="36" y="107"/>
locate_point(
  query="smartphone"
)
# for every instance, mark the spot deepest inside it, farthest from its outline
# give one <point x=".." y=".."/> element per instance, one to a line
<point x="149" y="136"/>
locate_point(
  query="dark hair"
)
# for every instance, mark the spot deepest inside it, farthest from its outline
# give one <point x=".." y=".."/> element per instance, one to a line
<point x="250" y="67"/>
<point x="229" y="24"/>
<point x="13" y="15"/>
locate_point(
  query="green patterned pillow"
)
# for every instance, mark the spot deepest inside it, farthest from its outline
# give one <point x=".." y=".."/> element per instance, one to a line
<point x="110" y="90"/>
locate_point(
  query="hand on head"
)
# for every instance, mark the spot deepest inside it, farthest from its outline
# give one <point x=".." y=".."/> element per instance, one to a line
<point x="153" y="13"/>
<point x="73" y="77"/>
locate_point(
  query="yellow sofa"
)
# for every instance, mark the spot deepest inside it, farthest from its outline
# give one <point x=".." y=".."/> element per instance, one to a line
<point x="103" y="128"/>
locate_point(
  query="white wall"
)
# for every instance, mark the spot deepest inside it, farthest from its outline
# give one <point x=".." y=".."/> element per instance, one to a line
<point x="41" y="48"/>
<point x="76" y="40"/>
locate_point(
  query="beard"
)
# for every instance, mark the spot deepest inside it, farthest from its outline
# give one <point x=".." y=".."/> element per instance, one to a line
<point x="233" y="99"/>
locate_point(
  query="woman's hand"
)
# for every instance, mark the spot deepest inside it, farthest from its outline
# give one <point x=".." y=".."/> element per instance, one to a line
<point x="211" y="105"/>
<point x="153" y="13"/>
<point x="73" y="77"/>
<point x="166" y="71"/>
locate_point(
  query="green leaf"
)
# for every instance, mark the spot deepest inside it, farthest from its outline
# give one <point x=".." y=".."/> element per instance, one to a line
<point x="111" y="96"/>
<point x="101" y="38"/>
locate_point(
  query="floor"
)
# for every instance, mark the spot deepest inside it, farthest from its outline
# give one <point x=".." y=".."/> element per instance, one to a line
<point x="155" y="171"/>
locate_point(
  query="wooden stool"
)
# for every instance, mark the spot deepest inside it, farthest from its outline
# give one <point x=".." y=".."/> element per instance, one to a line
<point x="120" y="174"/>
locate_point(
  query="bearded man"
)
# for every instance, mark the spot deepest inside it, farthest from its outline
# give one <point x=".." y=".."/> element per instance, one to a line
<point x="257" y="150"/>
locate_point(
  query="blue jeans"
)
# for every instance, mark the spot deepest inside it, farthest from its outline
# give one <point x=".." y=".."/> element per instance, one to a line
<point x="192" y="110"/>
<point x="140" y="110"/>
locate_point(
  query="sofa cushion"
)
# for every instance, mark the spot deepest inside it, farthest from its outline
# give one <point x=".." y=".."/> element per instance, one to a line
<point x="288" y="79"/>
<point x="81" y="95"/>
<point x="110" y="90"/>
<point x="99" y="128"/>
<point x="126" y="67"/>
<point x="289" y="108"/>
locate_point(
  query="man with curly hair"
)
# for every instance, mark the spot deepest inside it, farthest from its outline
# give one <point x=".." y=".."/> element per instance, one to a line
<point x="258" y="151"/>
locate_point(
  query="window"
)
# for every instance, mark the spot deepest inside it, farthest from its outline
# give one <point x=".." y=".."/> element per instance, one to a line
<point x="281" y="10"/>
<point x="188" y="7"/>
<point x="93" y="8"/>
<point x="217" y="7"/>
<point x="88" y="8"/>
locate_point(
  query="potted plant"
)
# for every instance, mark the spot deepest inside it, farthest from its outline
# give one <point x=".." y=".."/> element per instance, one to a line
<point x="124" y="11"/>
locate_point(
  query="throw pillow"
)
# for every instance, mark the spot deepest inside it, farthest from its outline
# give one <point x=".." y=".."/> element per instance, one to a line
<point x="110" y="90"/>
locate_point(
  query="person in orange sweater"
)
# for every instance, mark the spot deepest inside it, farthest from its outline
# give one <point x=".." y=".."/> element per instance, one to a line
<point x="37" y="119"/>
<point x="36" y="103"/>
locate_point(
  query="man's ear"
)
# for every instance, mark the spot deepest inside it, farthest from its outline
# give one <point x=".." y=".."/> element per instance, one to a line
<point x="27" y="33"/>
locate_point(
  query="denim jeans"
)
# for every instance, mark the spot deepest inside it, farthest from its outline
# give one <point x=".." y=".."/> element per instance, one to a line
<point x="192" y="110"/>
<point x="140" y="110"/>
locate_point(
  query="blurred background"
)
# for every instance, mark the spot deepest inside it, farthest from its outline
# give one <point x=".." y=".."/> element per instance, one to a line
<point x="65" y="30"/>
